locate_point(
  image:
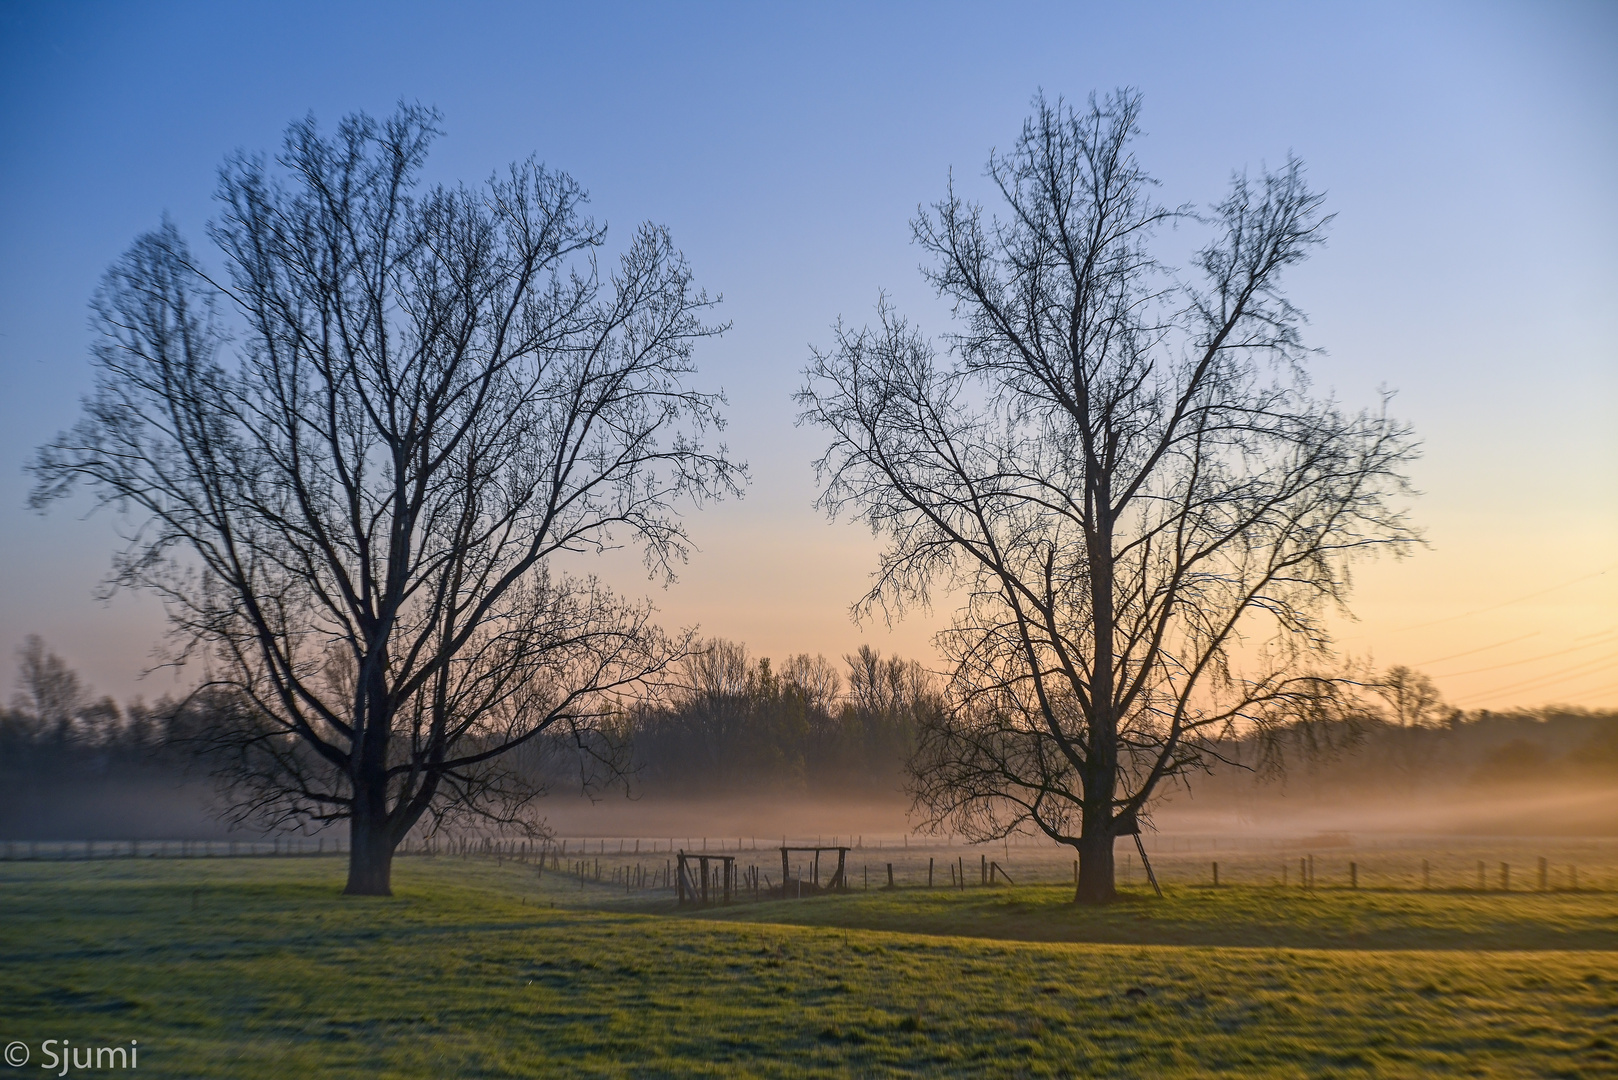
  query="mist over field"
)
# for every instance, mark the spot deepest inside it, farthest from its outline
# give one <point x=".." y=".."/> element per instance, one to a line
<point x="811" y="747"/>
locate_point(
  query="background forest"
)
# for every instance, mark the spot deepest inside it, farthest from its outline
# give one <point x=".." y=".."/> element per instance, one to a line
<point x="74" y="764"/>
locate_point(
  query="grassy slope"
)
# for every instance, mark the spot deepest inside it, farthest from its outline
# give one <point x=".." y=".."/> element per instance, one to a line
<point x="1232" y="916"/>
<point x="256" y="968"/>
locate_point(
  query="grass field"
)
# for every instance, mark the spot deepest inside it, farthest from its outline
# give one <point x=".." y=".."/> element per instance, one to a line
<point x="1226" y="917"/>
<point x="257" y="968"/>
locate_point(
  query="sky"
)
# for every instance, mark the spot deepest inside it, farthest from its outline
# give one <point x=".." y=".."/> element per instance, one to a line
<point x="1469" y="151"/>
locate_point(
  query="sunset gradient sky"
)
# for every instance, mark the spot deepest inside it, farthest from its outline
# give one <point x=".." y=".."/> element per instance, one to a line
<point x="1470" y="152"/>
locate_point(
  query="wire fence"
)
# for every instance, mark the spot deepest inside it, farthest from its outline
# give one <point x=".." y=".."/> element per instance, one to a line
<point x="1473" y="863"/>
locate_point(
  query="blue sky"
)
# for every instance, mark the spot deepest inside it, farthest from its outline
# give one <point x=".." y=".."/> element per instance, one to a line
<point x="1470" y="152"/>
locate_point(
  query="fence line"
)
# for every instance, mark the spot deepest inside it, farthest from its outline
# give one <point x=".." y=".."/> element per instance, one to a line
<point x="1469" y="864"/>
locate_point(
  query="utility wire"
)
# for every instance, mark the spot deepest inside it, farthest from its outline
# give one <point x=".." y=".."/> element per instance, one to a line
<point x="1486" y="648"/>
<point x="1528" y="660"/>
<point x="1504" y="603"/>
<point x="1602" y="665"/>
<point x="1599" y="690"/>
<point x="1577" y="671"/>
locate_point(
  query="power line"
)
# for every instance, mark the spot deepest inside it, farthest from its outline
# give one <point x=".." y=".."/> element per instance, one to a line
<point x="1577" y="671"/>
<point x="1529" y="660"/>
<point x="1609" y="688"/>
<point x="1504" y="603"/>
<point x="1600" y="689"/>
<point x="1602" y="665"/>
<point x="1486" y="648"/>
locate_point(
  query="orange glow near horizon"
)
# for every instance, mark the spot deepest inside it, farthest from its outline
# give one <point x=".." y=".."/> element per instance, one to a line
<point x="1494" y="628"/>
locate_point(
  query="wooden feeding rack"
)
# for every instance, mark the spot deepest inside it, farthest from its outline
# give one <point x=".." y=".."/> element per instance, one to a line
<point x="839" y="880"/>
<point x="698" y="890"/>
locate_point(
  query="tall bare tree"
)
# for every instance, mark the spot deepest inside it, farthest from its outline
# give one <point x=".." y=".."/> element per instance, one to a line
<point x="1118" y="466"/>
<point x="1412" y="698"/>
<point x="49" y="693"/>
<point x="1415" y="708"/>
<point x="356" y="455"/>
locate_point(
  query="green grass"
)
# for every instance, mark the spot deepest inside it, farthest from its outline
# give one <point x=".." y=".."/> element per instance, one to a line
<point x="257" y="968"/>
<point x="1257" y="916"/>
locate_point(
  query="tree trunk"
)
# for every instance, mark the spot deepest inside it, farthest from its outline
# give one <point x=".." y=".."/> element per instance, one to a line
<point x="370" y="852"/>
<point x="370" y="841"/>
<point x="1096" y="883"/>
<point x="370" y="859"/>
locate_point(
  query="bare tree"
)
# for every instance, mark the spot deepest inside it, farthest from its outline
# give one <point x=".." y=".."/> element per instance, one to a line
<point x="49" y="693"/>
<point x="1412" y="698"/>
<point x="1118" y="466"/>
<point x="891" y="685"/>
<point x="814" y="679"/>
<point x="356" y="455"/>
<point x="1415" y="709"/>
<point x="52" y="706"/>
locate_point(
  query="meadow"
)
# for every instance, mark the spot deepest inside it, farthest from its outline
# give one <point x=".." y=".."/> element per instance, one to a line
<point x="256" y="967"/>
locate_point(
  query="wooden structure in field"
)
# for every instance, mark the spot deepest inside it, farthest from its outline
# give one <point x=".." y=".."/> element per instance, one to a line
<point x="839" y="879"/>
<point x="698" y="882"/>
<point x="701" y="879"/>
<point x="1129" y="825"/>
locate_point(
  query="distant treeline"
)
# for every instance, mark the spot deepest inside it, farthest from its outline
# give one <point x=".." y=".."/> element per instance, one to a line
<point x="728" y="723"/>
<point x="56" y="730"/>
<point x="1482" y="749"/>
<point x="739" y="723"/>
<point x="733" y="723"/>
<point x="74" y="765"/>
<point x="1544" y="771"/>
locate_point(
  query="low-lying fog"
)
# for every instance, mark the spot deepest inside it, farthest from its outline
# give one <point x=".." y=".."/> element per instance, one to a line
<point x="187" y="810"/>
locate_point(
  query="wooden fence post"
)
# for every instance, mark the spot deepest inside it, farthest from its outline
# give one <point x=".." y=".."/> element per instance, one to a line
<point x="930" y="870"/>
<point x="1544" y="874"/>
<point x="1216" y="875"/>
<point x="1353" y="875"/>
<point x="890" y="875"/>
